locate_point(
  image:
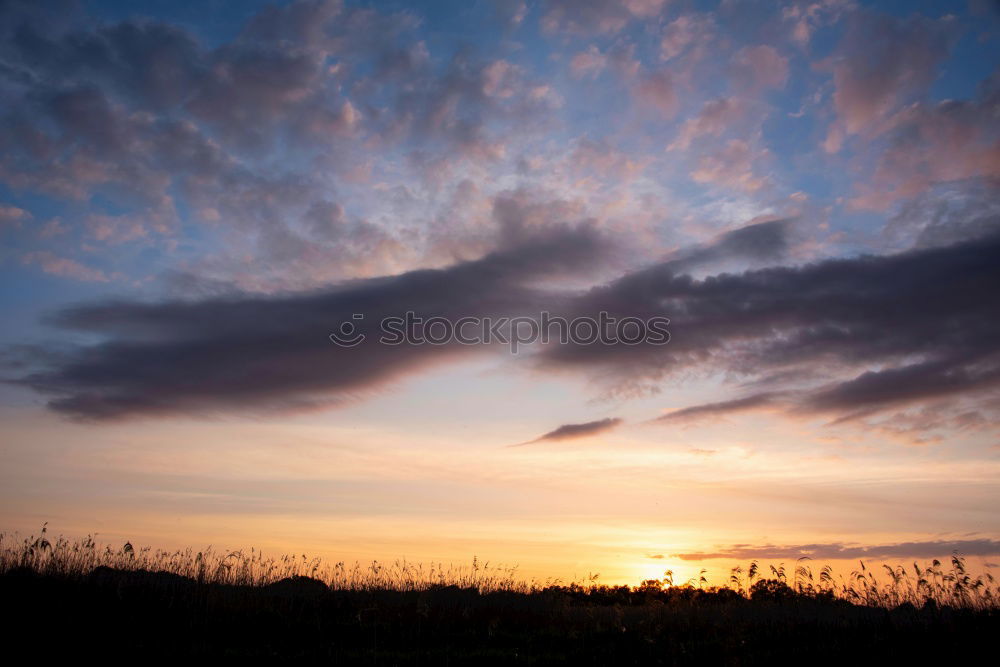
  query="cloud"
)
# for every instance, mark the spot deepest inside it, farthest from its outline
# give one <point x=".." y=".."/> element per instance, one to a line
<point x="865" y="336"/>
<point x="574" y="431"/>
<point x="759" y="67"/>
<point x="13" y="216"/>
<point x="327" y="140"/>
<point x="905" y="341"/>
<point x="689" y="33"/>
<point x="255" y="353"/>
<point x="596" y="16"/>
<point x="882" y="62"/>
<point x="715" y="118"/>
<point x="841" y="551"/>
<point x="510" y="13"/>
<point x="656" y="90"/>
<point x="64" y="267"/>
<point x="946" y="213"/>
<point x="752" y="402"/>
<point x="150" y="136"/>
<point x="758" y="242"/>
<point x="733" y="166"/>
<point x="926" y="144"/>
<point x="588" y="63"/>
<point x="805" y="16"/>
<point x="606" y="162"/>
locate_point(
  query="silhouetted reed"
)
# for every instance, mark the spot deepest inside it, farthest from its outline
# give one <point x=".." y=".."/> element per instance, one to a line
<point x="933" y="584"/>
<point x="62" y="557"/>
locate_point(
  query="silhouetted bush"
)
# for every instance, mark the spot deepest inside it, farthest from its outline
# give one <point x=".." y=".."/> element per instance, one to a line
<point x="772" y="590"/>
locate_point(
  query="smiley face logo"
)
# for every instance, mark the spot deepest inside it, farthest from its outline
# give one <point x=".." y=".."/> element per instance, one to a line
<point x="347" y="334"/>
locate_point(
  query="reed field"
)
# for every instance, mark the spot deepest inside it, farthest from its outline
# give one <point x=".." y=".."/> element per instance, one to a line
<point x="213" y="603"/>
<point x="935" y="583"/>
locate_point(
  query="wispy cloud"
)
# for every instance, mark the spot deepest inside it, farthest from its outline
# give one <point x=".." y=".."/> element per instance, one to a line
<point x="751" y="402"/>
<point x="576" y="431"/>
<point x="841" y="551"/>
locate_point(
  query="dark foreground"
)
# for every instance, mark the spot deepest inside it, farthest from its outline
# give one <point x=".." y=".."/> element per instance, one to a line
<point x="143" y="616"/>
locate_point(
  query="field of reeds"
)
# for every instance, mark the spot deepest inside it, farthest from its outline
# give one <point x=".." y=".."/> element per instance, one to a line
<point x="70" y="594"/>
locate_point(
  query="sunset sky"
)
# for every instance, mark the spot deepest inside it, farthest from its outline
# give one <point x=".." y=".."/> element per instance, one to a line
<point x="194" y="195"/>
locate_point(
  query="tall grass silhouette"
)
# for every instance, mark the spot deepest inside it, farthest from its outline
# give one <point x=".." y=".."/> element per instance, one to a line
<point x="934" y="583"/>
<point x="136" y="603"/>
<point x="62" y="557"/>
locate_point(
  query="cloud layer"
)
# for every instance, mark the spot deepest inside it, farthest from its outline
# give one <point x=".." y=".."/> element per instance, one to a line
<point x="910" y="338"/>
<point x="253" y="353"/>
<point x="838" y="551"/>
<point x="817" y="217"/>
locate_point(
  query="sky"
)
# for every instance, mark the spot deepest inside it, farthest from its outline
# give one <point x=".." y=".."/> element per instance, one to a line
<point x="194" y="196"/>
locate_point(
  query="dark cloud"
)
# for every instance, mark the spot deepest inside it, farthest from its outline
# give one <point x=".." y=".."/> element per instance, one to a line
<point x="719" y="408"/>
<point x="246" y="353"/>
<point x="255" y="88"/>
<point x="574" y="431"/>
<point x="152" y="64"/>
<point x="873" y="333"/>
<point x="911" y="336"/>
<point x="840" y="551"/>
